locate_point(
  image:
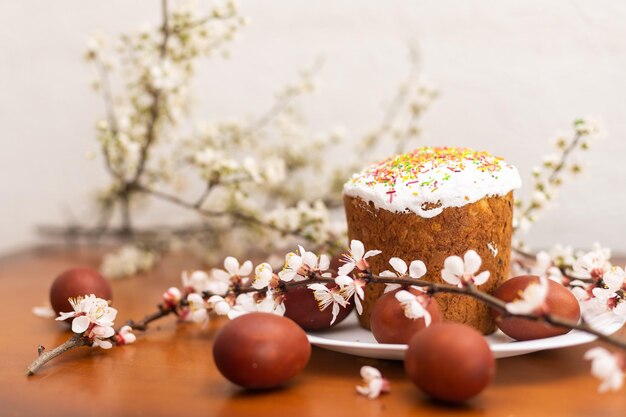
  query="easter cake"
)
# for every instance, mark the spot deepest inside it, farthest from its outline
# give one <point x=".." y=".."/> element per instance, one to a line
<point x="429" y="204"/>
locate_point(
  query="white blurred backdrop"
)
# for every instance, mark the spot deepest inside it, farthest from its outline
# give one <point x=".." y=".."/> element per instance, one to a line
<point x="510" y="73"/>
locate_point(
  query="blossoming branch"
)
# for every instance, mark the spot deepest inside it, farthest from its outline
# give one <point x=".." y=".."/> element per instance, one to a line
<point x="234" y="291"/>
<point x="145" y="76"/>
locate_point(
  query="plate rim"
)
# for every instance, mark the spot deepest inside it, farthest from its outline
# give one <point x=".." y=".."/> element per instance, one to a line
<point x="572" y="338"/>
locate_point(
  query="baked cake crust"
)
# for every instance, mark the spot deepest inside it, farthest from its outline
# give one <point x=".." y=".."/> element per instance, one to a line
<point x="484" y="226"/>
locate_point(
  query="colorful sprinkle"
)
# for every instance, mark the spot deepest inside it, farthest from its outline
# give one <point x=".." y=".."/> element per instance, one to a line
<point x="414" y="167"/>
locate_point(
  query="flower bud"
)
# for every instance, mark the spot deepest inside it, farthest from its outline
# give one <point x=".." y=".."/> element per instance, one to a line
<point x="172" y="297"/>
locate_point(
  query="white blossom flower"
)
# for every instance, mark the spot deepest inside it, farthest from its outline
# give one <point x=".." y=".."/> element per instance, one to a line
<point x="89" y="310"/>
<point x="246" y="303"/>
<point x="195" y="311"/>
<point x="610" y="295"/>
<point x="591" y="265"/>
<point x="275" y="170"/>
<point x="311" y="220"/>
<point x="232" y="269"/>
<point x="165" y="76"/>
<point x="125" y="336"/>
<point x="328" y="296"/>
<point x="299" y="265"/>
<point x="522" y="224"/>
<point x="352" y="287"/>
<point x="45" y="312"/>
<point x="92" y="317"/>
<point x="220" y="306"/>
<point x="615" y="278"/>
<point x="356" y="258"/>
<point x="413" y="307"/>
<point x="604" y="250"/>
<point x="620" y="308"/>
<point x="580" y="291"/>
<point x="251" y="168"/>
<point x="544" y="267"/>
<point x="587" y="126"/>
<point x="461" y="272"/>
<point x="417" y="269"/>
<point x="199" y="282"/>
<point x="207" y="157"/>
<point x="172" y="297"/>
<point x="608" y="367"/>
<point x="93" y="45"/>
<point x="126" y="261"/>
<point x="100" y="334"/>
<point x="263" y="276"/>
<point x="373" y="383"/>
<point x="532" y="299"/>
<point x="562" y="255"/>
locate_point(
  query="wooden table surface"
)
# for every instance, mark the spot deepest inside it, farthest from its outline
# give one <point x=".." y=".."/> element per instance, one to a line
<point x="170" y="371"/>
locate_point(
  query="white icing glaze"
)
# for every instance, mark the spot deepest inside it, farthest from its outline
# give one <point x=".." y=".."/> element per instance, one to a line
<point x="428" y="180"/>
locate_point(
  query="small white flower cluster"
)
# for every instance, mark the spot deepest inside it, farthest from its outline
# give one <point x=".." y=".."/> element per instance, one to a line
<point x="126" y="261"/>
<point x="213" y="291"/>
<point x="153" y="67"/>
<point x="457" y="271"/>
<point x="599" y="285"/>
<point x="312" y="221"/>
<point x="93" y="318"/>
<point x="608" y="367"/>
<point x="373" y="383"/>
<point x="549" y="176"/>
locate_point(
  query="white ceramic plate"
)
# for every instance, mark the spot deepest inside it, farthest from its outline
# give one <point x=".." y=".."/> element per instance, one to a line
<point x="348" y="337"/>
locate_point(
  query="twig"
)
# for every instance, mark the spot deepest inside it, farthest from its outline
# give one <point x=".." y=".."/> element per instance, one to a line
<point x="552" y="178"/>
<point x="199" y="22"/>
<point x="432" y="288"/>
<point x="107" y="95"/>
<point x="524" y="253"/>
<point x="118" y="233"/>
<point x="207" y="191"/>
<point x="155" y="112"/>
<point x="45" y="356"/>
<point x="497" y="304"/>
<point x="570" y="148"/>
<point x="143" y="324"/>
<point x="236" y="215"/>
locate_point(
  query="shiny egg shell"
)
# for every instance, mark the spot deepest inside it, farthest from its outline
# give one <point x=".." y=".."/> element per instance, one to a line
<point x="261" y="350"/>
<point x="450" y="362"/>
<point x="77" y="282"/>
<point x="389" y="324"/>
<point x="561" y="302"/>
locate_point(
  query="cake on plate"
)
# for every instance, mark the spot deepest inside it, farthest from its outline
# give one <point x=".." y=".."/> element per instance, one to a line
<point x="429" y="204"/>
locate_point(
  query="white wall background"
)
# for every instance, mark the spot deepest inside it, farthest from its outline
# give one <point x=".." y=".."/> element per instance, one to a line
<point x="511" y="73"/>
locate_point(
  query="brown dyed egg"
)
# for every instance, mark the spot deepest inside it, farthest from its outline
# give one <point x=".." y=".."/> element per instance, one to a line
<point x="261" y="350"/>
<point x="450" y="362"/>
<point x="389" y="324"/>
<point x="301" y="307"/>
<point x="560" y="301"/>
<point x="77" y="282"/>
